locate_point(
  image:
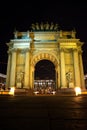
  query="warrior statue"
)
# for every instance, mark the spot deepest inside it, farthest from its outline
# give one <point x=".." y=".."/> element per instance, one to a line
<point x="51" y="27"/>
<point x="37" y="26"/>
<point x="42" y="26"/>
<point x="56" y="27"/>
<point x="47" y="26"/>
<point x="33" y="26"/>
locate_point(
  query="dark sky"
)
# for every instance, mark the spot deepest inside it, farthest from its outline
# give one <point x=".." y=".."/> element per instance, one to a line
<point x="20" y="16"/>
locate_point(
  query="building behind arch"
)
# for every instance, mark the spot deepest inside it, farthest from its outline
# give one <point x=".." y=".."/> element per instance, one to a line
<point x="45" y="42"/>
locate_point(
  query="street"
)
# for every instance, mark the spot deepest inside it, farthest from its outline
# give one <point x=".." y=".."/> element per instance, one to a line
<point x="43" y="112"/>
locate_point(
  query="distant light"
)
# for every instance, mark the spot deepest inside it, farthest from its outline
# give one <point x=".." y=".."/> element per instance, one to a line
<point x="36" y="92"/>
<point x="53" y="92"/>
<point x="77" y="90"/>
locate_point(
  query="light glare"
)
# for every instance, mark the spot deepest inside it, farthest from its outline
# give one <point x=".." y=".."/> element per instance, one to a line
<point x="12" y="91"/>
<point x="77" y="90"/>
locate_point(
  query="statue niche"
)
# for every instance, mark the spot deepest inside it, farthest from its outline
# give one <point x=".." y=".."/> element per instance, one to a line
<point x="19" y="79"/>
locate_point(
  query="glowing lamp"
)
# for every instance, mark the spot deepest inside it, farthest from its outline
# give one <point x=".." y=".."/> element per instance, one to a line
<point x="12" y="91"/>
<point x="77" y="90"/>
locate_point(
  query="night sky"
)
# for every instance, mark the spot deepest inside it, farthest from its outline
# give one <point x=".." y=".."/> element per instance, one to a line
<point x="20" y="15"/>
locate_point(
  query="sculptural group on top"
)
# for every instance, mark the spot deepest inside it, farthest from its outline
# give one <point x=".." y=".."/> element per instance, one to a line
<point x="44" y="27"/>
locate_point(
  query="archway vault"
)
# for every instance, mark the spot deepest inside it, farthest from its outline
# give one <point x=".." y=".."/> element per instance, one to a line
<point x="42" y="56"/>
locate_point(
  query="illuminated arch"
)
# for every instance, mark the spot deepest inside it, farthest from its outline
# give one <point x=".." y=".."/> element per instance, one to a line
<point x="44" y="56"/>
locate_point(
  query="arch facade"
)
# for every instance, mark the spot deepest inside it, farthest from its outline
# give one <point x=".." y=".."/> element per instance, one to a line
<point x="62" y="48"/>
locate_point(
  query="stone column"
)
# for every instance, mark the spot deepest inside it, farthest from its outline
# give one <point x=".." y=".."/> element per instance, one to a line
<point x="76" y="68"/>
<point x="81" y="71"/>
<point x="56" y="75"/>
<point x="31" y="56"/>
<point x="33" y="78"/>
<point x="31" y="75"/>
<point x="30" y="69"/>
<point x="26" y="72"/>
<point x="59" y="76"/>
<point x="63" y="76"/>
<point x="8" y="71"/>
<point x="13" y="69"/>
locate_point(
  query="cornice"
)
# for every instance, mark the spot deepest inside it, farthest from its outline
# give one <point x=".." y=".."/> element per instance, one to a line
<point x="20" y="40"/>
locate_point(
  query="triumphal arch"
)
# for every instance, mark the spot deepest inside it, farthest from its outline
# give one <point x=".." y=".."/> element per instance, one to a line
<point x="45" y="43"/>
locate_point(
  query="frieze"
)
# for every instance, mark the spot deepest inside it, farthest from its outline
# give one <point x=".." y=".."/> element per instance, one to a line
<point x="68" y="40"/>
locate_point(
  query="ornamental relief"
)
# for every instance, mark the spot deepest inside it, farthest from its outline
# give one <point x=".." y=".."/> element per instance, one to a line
<point x="44" y="56"/>
<point x="54" y="52"/>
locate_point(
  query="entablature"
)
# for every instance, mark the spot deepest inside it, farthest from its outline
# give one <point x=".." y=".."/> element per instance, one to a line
<point x="68" y="40"/>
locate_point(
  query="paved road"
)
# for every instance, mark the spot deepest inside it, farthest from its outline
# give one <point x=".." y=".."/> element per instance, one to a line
<point x="43" y="112"/>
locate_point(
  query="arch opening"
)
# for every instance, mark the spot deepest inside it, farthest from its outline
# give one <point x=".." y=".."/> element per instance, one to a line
<point x="44" y="75"/>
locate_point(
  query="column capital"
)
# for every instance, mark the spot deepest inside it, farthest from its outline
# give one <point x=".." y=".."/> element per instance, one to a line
<point x="23" y="50"/>
<point x="26" y="49"/>
<point x="9" y="52"/>
<point x="66" y="49"/>
<point x="80" y="52"/>
<point x="74" y="49"/>
<point x="12" y="50"/>
<point x="62" y="49"/>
